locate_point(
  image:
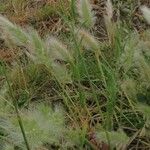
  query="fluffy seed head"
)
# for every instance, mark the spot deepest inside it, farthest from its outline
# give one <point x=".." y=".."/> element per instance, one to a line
<point x="61" y="72"/>
<point x="146" y="13"/>
<point x="57" y="49"/>
<point x="5" y="22"/>
<point x="87" y="40"/>
<point x="109" y="9"/>
<point x="85" y="12"/>
<point x="15" y="33"/>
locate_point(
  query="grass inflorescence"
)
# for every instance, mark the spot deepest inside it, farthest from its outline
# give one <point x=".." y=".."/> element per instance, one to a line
<point x="67" y="89"/>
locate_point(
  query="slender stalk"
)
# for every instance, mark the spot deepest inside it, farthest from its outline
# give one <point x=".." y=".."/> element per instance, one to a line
<point x="91" y="84"/>
<point x="16" y="108"/>
<point x="73" y="10"/>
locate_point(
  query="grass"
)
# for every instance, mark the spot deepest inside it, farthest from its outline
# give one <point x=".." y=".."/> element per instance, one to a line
<point x="67" y="89"/>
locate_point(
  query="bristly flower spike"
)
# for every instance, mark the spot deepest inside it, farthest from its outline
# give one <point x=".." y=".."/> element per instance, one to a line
<point x="84" y="9"/>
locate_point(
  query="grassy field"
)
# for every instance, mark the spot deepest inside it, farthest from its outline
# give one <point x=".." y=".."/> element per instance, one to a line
<point x="74" y="75"/>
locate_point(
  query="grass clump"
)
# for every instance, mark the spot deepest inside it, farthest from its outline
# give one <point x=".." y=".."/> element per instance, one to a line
<point x="94" y="94"/>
